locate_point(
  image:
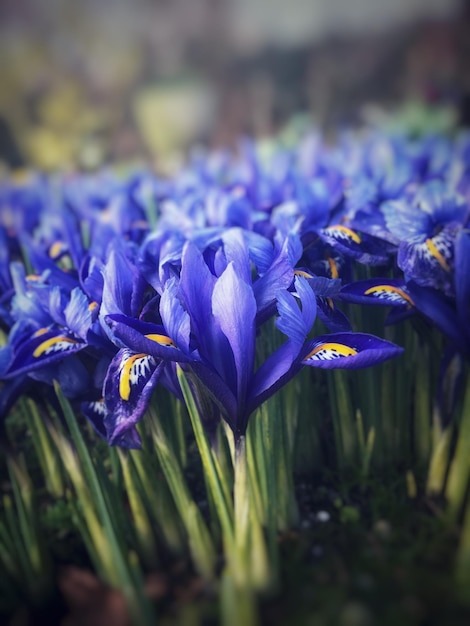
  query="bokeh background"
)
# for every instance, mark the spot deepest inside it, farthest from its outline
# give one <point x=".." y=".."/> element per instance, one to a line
<point x="87" y="83"/>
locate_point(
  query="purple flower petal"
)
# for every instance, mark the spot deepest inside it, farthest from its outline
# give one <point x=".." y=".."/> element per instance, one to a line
<point x="32" y="349"/>
<point x="127" y="389"/>
<point x="348" y="351"/>
<point x="378" y="291"/>
<point x="145" y="337"/>
<point x="429" y="261"/>
<point x="234" y="307"/>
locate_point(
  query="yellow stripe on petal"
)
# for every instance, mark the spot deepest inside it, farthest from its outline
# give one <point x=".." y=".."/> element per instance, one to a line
<point x="41" y="331"/>
<point x="327" y="351"/>
<point x="437" y="255"/>
<point x="127" y="373"/>
<point x="92" y="306"/>
<point x="56" y="249"/>
<point x="388" y="289"/>
<point x="162" y="340"/>
<point x="54" y="344"/>
<point x="346" y="231"/>
<point x="333" y="268"/>
<point x="302" y="273"/>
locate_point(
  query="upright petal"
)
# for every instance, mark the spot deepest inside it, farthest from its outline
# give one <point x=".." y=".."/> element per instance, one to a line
<point x="294" y="321"/>
<point x="174" y="317"/>
<point x="234" y="307"/>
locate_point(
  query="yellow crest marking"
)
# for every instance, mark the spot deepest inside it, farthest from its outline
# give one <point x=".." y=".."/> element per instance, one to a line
<point x="92" y="306"/>
<point x="48" y="345"/>
<point x="302" y="273"/>
<point x="41" y="331"/>
<point x="333" y="268"/>
<point x="163" y="340"/>
<point x="390" y="289"/>
<point x="437" y="255"/>
<point x="347" y="231"/>
<point x="125" y="378"/>
<point x="56" y="249"/>
<point x="337" y="348"/>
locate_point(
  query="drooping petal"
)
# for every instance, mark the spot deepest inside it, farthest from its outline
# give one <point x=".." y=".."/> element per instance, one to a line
<point x="378" y="291"/>
<point x="145" y="337"/>
<point x="348" y="351"/>
<point x="30" y="350"/>
<point x="360" y="246"/>
<point x="127" y="389"/>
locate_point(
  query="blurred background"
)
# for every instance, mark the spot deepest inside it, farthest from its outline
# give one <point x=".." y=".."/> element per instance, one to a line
<point x="111" y="81"/>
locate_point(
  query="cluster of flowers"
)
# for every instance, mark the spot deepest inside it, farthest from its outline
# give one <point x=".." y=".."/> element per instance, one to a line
<point x="109" y="284"/>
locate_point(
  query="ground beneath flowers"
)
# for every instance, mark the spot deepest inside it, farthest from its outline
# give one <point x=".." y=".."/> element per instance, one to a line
<point x="359" y="557"/>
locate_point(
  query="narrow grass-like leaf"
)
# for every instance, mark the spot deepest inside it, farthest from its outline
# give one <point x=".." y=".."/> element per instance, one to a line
<point x="199" y="538"/>
<point x="439" y="463"/>
<point x="459" y="472"/>
<point x="139" y="606"/>
<point x="224" y="507"/>
<point x="47" y="455"/>
<point x="140" y="518"/>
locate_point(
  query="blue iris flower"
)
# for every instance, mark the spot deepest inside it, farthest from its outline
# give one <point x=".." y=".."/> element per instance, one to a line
<point x="209" y="325"/>
<point x="51" y="327"/>
<point x="424" y="231"/>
